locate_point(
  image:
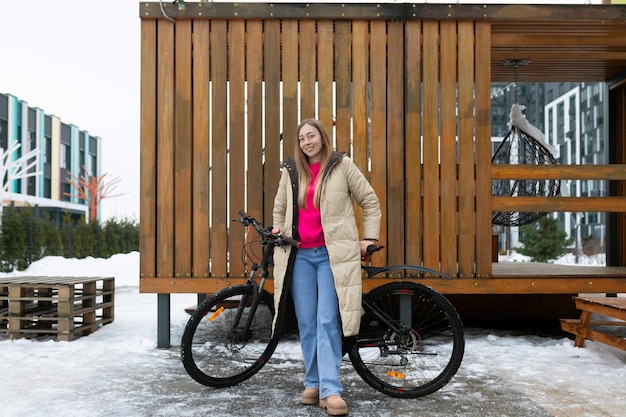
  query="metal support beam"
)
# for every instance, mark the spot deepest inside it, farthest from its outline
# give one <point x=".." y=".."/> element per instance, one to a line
<point x="163" y="321"/>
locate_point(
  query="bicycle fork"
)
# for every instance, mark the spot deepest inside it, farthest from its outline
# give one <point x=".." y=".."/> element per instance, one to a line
<point x="257" y="290"/>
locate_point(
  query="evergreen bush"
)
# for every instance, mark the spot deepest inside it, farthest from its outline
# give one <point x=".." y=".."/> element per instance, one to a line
<point x="26" y="237"/>
<point x="543" y="240"/>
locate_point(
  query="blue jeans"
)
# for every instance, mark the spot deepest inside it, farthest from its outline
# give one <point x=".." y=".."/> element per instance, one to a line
<point x="319" y="323"/>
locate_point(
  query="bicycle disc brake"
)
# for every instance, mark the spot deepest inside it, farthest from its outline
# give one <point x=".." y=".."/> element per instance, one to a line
<point x="408" y="342"/>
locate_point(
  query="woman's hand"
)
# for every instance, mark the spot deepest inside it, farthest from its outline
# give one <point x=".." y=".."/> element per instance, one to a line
<point x="364" y="244"/>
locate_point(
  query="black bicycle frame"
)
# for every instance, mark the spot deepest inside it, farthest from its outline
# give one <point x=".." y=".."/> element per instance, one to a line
<point x="257" y="291"/>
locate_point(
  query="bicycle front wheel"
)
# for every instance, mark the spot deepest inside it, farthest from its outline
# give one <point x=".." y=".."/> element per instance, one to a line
<point x="225" y="342"/>
<point x="423" y="355"/>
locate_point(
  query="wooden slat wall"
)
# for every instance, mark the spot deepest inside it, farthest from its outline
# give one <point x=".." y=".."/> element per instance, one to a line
<point x="237" y="123"/>
<point x="396" y="163"/>
<point x="148" y="166"/>
<point x="182" y="150"/>
<point x="272" y="157"/>
<point x="413" y="139"/>
<point x="218" y="95"/>
<point x="254" y="74"/>
<point x="430" y="146"/>
<point x="448" y="151"/>
<point x="466" y="221"/>
<point x="378" y="125"/>
<point x="164" y="180"/>
<point x="482" y="75"/>
<point x="219" y="145"/>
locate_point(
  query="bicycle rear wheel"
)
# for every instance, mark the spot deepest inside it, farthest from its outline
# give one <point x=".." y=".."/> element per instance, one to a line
<point x="216" y="350"/>
<point x="421" y="358"/>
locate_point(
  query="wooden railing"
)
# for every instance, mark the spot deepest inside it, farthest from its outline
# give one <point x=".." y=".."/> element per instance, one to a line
<point x="559" y="172"/>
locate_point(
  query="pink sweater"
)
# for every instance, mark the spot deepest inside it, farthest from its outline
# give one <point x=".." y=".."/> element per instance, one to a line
<point x="309" y="219"/>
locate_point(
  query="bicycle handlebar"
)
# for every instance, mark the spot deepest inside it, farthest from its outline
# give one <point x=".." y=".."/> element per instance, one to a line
<point x="370" y="250"/>
<point x="280" y="240"/>
<point x="266" y="233"/>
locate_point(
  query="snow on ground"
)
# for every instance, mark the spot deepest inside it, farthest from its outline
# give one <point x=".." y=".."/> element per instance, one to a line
<point x="567" y="259"/>
<point x="119" y="371"/>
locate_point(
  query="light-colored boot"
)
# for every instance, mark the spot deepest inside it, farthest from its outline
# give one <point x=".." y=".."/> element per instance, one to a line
<point x="334" y="405"/>
<point x="310" y="396"/>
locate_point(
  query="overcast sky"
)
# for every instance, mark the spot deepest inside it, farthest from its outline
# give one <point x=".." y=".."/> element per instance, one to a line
<point x="79" y="60"/>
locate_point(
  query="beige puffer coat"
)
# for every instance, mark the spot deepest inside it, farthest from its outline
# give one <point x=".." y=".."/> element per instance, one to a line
<point x="342" y="181"/>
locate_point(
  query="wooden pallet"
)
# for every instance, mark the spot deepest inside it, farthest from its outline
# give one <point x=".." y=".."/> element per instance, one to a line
<point x="612" y="308"/>
<point x="4" y="308"/>
<point x="65" y="307"/>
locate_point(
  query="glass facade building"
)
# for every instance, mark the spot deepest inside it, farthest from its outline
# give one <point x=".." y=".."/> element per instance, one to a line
<point x="572" y="118"/>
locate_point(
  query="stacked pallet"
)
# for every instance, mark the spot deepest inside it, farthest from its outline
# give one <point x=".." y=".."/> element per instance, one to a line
<point x="65" y="307"/>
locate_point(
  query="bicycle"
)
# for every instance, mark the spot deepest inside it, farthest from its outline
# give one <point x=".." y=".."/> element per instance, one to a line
<point x="410" y="343"/>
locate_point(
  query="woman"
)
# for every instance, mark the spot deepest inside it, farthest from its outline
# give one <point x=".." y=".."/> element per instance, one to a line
<point x="323" y="276"/>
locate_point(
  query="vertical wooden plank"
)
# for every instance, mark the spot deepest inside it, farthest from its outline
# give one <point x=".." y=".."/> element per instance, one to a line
<point x="617" y="101"/>
<point x="325" y="66"/>
<point x="360" y="113"/>
<point x="467" y="180"/>
<point x="620" y="138"/>
<point x="308" y="61"/>
<point x="165" y="150"/>
<point x="254" y="77"/>
<point x="343" y="84"/>
<point x="289" y="58"/>
<point x="483" y="148"/>
<point x="395" y="142"/>
<point x="237" y="120"/>
<point x="219" y="187"/>
<point x="616" y="222"/>
<point x="448" y="152"/>
<point x="182" y="151"/>
<point x="378" y="128"/>
<point x="148" y="173"/>
<point x="413" y="140"/>
<point x="201" y="147"/>
<point x="271" y="174"/>
<point x="431" y="144"/>
<point x="360" y="57"/>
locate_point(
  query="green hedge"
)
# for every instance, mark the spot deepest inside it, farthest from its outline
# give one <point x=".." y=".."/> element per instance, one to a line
<point x="26" y="237"/>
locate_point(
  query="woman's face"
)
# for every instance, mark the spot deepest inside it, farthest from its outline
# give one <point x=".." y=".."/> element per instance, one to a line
<point x="311" y="142"/>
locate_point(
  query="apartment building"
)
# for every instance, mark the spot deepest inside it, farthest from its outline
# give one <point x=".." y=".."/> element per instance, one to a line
<point x="572" y="117"/>
<point x="40" y="152"/>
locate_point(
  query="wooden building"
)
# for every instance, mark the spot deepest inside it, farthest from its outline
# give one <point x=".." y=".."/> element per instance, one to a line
<point x="408" y="88"/>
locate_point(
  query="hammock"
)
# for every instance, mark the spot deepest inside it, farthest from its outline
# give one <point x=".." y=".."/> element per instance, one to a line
<point x="523" y="144"/>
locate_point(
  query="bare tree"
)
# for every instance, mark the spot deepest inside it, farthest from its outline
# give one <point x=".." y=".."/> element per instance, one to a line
<point x="92" y="189"/>
<point x="18" y="168"/>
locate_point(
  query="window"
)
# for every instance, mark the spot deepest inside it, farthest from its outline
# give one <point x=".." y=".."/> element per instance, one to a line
<point x="66" y="191"/>
<point x="32" y="140"/>
<point x="94" y="166"/>
<point x="47" y="153"/>
<point x="4" y="132"/>
<point x="47" y="188"/>
<point x="65" y="156"/>
<point x="31" y="187"/>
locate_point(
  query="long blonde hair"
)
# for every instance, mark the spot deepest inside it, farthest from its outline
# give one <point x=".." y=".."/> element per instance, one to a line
<point x="302" y="163"/>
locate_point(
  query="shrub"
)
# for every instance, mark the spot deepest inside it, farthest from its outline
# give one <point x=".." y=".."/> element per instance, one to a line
<point x="543" y="240"/>
<point x="26" y="237"/>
